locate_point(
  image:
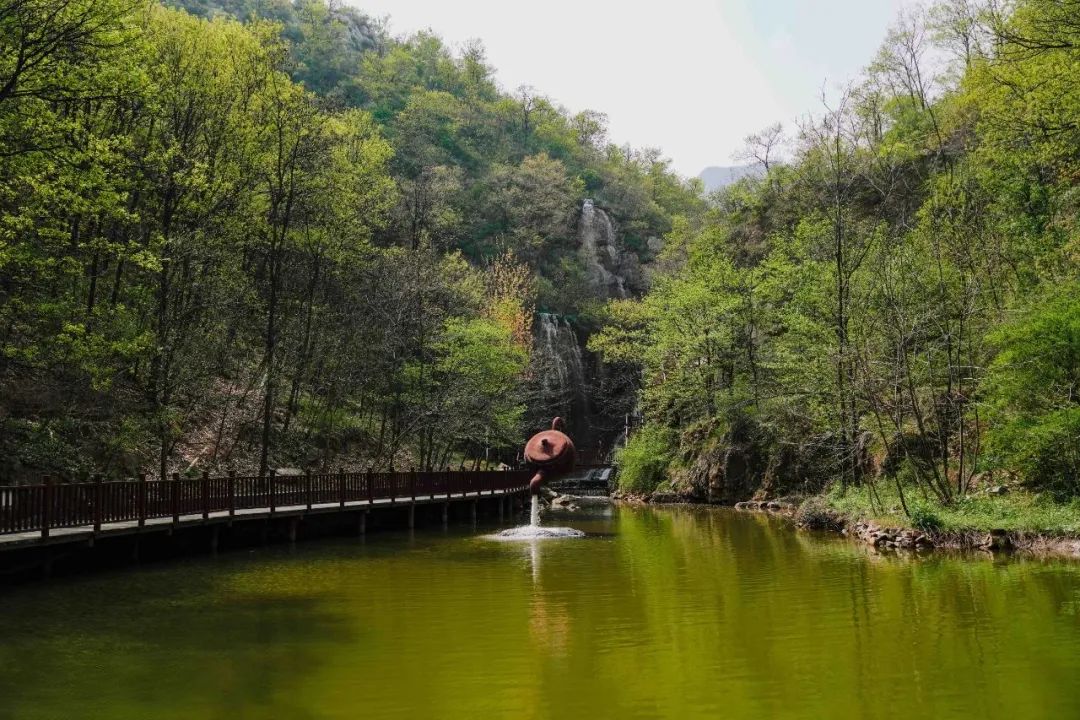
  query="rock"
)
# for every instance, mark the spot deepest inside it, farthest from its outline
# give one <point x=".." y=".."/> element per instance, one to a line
<point x="774" y="506"/>
<point x="664" y="498"/>
<point x="998" y="490"/>
<point x="997" y="540"/>
<point x="742" y="505"/>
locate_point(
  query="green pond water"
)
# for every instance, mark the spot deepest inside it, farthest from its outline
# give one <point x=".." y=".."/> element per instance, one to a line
<point x="679" y="613"/>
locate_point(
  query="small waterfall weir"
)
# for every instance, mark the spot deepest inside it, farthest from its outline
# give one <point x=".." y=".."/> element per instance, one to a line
<point x="552" y="453"/>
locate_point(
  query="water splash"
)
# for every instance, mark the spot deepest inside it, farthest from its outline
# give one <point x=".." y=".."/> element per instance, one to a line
<point x="533" y="531"/>
<point x="528" y="532"/>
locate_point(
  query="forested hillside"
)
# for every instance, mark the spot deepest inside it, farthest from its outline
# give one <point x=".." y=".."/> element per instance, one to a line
<point x="894" y="309"/>
<point x="257" y="235"/>
<point x="262" y="234"/>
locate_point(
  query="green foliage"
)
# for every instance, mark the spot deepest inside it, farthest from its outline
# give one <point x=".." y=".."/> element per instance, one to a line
<point x="854" y="301"/>
<point x="1019" y="510"/>
<point x="924" y="518"/>
<point x="1034" y="391"/>
<point x="268" y="227"/>
<point x="644" y="462"/>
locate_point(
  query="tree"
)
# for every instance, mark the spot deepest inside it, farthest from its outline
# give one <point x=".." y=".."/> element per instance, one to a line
<point x="761" y="147"/>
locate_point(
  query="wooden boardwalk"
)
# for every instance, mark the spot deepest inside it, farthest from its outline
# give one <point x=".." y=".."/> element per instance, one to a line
<point x="63" y="513"/>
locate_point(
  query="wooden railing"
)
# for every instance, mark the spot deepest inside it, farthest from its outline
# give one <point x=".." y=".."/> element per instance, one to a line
<point x="49" y="505"/>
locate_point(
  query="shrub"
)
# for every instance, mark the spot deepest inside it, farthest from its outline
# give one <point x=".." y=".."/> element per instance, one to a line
<point x="815" y="514"/>
<point x="925" y="519"/>
<point x="643" y="463"/>
<point x="1032" y="392"/>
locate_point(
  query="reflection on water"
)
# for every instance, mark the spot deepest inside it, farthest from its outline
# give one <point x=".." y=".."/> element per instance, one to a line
<point x="656" y="613"/>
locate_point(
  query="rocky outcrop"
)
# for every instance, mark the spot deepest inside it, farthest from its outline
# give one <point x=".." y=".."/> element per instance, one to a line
<point x="729" y="469"/>
<point x="612" y="273"/>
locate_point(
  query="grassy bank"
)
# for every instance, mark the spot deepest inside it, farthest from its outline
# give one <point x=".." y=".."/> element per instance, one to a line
<point x="1015" y="511"/>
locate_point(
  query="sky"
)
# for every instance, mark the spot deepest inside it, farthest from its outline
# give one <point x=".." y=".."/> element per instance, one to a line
<point x="691" y="77"/>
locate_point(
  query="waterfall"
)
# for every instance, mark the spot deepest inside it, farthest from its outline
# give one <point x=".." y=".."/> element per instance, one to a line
<point x="560" y="368"/>
<point x="596" y="237"/>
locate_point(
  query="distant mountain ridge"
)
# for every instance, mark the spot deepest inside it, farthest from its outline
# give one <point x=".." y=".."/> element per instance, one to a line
<point x="719" y="176"/>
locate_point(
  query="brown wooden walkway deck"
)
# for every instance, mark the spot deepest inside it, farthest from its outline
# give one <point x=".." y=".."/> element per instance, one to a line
<point x="58" y="513"/>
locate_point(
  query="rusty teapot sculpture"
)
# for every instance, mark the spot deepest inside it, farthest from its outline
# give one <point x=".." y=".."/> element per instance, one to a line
<point x="551" y="453"/>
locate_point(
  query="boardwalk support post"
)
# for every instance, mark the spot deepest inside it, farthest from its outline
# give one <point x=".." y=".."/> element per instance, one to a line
<point x="142" y="505"/>
<point x="99" y="499"/>
<point x="175" y="487"/>
<point x="47" y="494"/>
<point x="231" y="490"/>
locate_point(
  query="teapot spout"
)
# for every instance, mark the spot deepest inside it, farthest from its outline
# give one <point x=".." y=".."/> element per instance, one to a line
<point x="536" y="482"/>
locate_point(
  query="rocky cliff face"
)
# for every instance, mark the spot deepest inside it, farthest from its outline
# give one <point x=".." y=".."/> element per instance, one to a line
<point x="613" y="274"/>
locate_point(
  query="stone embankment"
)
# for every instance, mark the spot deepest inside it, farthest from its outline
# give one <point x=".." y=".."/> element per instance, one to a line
<point x="781" y="507"/>
<point x="889" y="538"/>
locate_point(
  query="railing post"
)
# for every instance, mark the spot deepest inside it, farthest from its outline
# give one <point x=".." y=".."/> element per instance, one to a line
<point x="175" y="487"/>
<point x="307" y="487"/>
<point x="412" y="483"/>
<point x="230" y="489"/>
<point x="341" y="487"/>
<point x="47" y="494"/>
<point x="272" y="491"/>
<point x="140" y="500"/>
<point x="204" y="487"/>
<point x="98" y="497"/>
